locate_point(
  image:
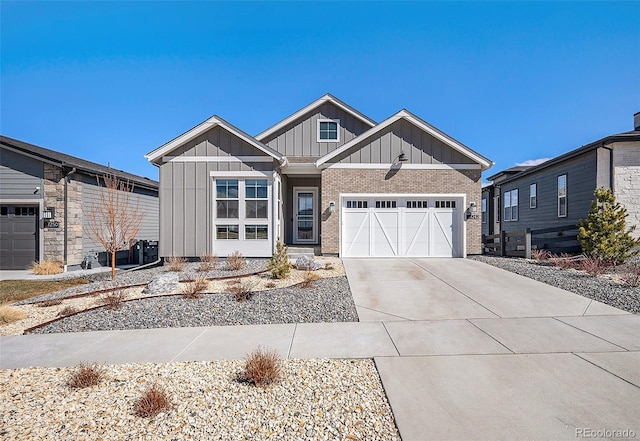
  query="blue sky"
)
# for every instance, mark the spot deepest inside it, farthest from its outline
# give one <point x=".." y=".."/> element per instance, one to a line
<point x="515" y="81"/>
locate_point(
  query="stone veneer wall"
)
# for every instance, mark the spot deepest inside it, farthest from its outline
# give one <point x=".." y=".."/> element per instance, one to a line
<point x="626" y="162"/>
<point x="336" y="181"/>
<point x="53" y="238"/>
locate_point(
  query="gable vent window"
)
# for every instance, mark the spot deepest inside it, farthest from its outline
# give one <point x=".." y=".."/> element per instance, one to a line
<point x="417" y="204"/>
<point x="357" y="204"/>
<point x="445" y="204"/>
<point x="385" y="204"/>
<point x="328" y="130"/>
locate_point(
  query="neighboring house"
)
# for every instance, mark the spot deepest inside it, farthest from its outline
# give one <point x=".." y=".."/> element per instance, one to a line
<point x="559" y="191"/>
<point x="43" y="215"/>
<point x="325" y="176"/>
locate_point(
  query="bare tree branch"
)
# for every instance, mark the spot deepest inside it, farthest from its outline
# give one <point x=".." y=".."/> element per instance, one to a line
<point x="114" y="221"/>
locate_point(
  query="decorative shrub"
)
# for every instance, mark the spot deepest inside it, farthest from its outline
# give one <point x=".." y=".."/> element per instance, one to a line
<point x="309" y="278"/>
<point x="236" y="261"/>
<point x="194" y="288"/>
<point x="66" y="311"/>
<point x="604" y="234"/>
<point x="631" y="275"/>
<point x="85" y="375"/>
<point x="153" y="401"/>
<point x="113" y="300"/>
<point x="175" y="264"/>
<point x="241" y="290"/>
<point x="280" y="265"/>
<point x="263" y="367"/>
<point x="593" y="265"/>
<point x="9" y="314"/>
<point x="46" y="267"/>
<point x="540" y="255"/>
<point x="208" y="262"/>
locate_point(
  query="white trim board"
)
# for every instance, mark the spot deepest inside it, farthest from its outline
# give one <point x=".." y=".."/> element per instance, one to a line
<point x="404" y="114"/>
<point x="217" y="159"/>
<point x="404" y="166"/>
<point x="317" y="103"/>
<point x="242" y="174"/>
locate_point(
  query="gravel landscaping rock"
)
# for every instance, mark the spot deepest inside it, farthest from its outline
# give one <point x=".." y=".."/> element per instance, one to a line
<point x="316" y="400"/>
<point x="162" y="284"/>
<point x="600" y="288"/>
<point x="137" y="277"/>
<point x="329" y="300"/>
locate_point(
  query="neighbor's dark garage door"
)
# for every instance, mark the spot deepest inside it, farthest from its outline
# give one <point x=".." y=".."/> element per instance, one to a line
<point x="18" y="236"/>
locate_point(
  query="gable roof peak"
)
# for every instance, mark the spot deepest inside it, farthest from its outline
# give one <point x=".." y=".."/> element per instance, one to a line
<point x="327" y="97"/>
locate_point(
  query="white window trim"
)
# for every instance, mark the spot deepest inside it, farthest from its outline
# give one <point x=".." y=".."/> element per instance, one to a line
<point x="566" y="195"/>
<point x="533" y="203"/>
<point x="337" y="121"/>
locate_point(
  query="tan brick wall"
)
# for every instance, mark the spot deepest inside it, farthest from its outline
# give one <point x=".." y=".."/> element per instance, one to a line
<point x="53" y="238"/>
<point x="337" y="181"/>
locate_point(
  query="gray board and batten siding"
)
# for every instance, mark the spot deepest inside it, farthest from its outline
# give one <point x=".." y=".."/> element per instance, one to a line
<point x="144" y="199"/>
<point x="20" y="176"/>
<point x="385" y="146"/>
<point x="300" y="138"/>
<point x="186" y="190"/>
<point x="581" y="174"/>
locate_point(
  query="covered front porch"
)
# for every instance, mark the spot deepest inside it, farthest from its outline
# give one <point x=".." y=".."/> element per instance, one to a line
<point x="301" y="211"/>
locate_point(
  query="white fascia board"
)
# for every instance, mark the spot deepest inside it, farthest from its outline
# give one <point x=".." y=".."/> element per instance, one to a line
<point x="403" y="114"/>
<point x="401" y="166"/>
<point x="307" y="109"/>
<point x="201" y="128"/>
<point x="403" y="195"/>
<point x="243" y="174"/>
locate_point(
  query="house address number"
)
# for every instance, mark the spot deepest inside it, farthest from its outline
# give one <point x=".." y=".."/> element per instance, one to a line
<point x="53" y="224"/>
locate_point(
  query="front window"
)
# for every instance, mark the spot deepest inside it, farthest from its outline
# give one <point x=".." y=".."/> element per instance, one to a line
<point x="256" y="202"/>
<point x="227" y="199"/>
<point x="328" y="130"/>
<point x="562" y="196"/>
<point x="256" y="232"/>
<point x="533" y="195"/>
<point x="227" y="232"/>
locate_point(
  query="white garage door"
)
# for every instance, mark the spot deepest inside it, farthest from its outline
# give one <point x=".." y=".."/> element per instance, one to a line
<point x="401" y="227"/>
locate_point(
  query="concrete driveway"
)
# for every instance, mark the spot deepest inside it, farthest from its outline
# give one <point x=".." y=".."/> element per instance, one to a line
<point x="487" y="354"/>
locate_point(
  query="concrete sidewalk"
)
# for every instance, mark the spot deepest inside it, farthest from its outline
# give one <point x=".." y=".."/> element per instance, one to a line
<point x="464" y="350"/>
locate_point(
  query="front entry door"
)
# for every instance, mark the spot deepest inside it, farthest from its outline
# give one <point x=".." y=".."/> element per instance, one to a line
<point x="305" y="226"/>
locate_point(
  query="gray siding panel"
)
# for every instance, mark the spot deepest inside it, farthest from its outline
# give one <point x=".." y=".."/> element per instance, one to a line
<point x="147" y="204"/>
<point x="419" y="147"/>
<point x="186" y="191"/>
<point x="581" y="182"/>
<point x="300" y="138"/>
<point x="19" y="176"/>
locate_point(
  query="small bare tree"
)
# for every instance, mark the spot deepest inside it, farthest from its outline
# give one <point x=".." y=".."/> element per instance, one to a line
<point x="114" y="220"/>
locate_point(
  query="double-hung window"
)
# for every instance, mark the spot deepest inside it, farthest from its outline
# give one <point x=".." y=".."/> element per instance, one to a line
<point x="511" y="205"/>
<point x="562" y="196"/>
<point x="533" y="195"/>
<point x="256" y="201"/>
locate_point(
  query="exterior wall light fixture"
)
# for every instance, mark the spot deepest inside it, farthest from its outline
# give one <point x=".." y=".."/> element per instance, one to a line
<point x="332" y="207"/>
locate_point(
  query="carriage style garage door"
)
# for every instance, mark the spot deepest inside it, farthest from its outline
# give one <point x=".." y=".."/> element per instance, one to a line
<point x="402" y="227"/>
<point x="18" y="236"/>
